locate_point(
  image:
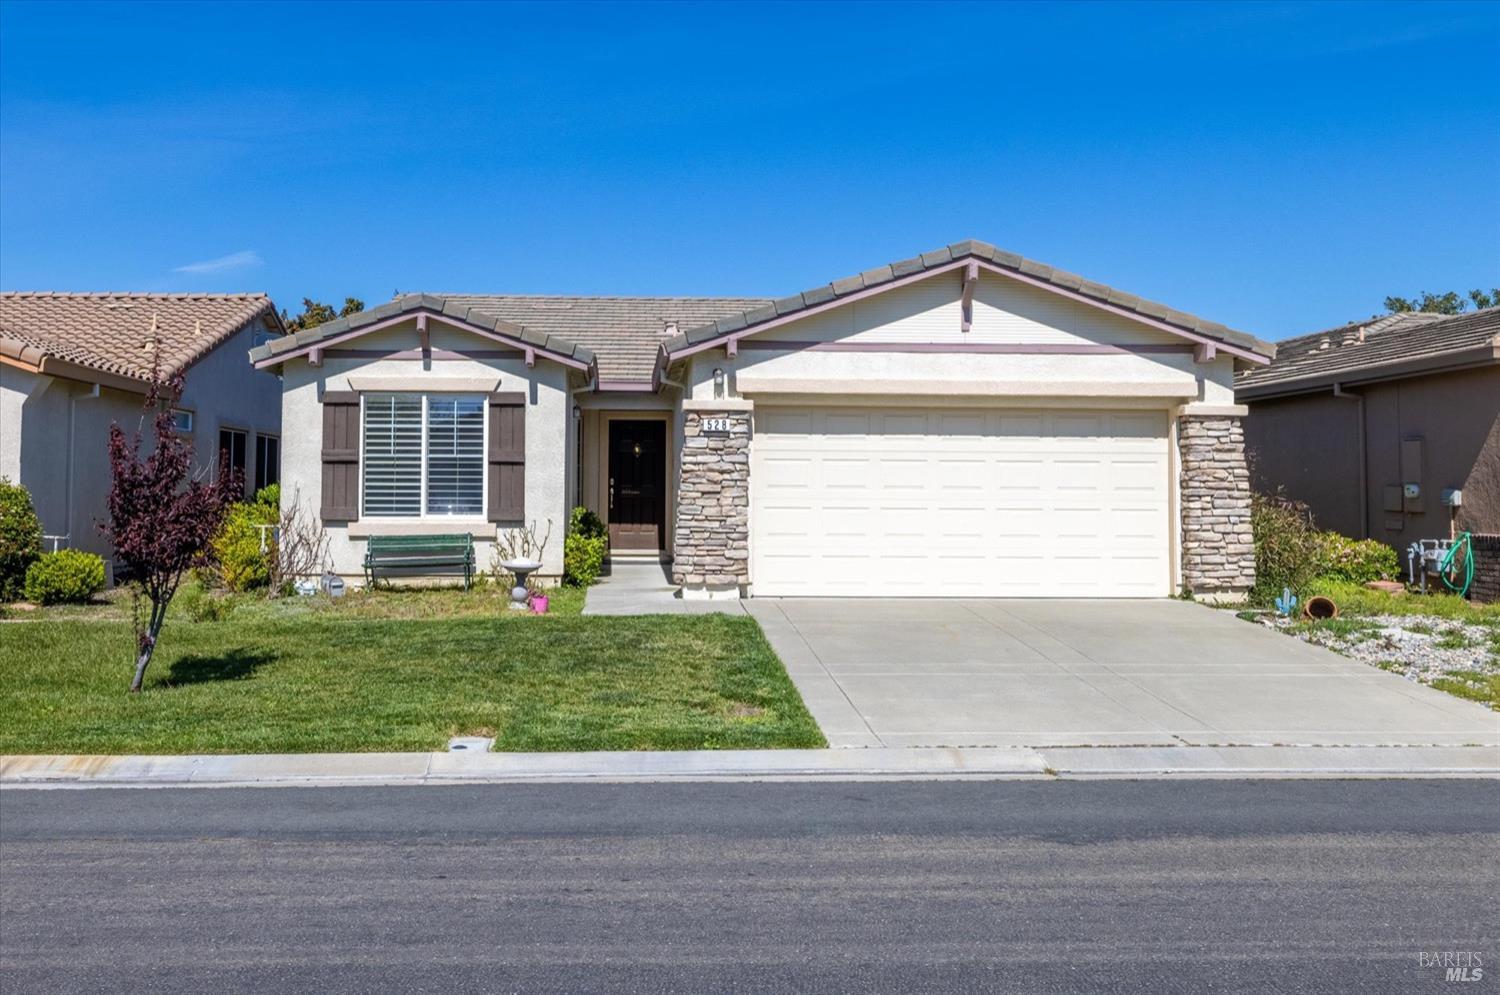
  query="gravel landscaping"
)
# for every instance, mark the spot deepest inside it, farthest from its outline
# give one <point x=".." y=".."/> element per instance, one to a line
<point x="1456" y="648"/>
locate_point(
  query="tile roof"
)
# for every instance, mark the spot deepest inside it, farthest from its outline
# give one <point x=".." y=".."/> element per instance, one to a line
<point x="410" y="303"/>
<point x="623" y="333"/>
<point x="1361" y="350"/>
<point x="111" y="333"/>
<point x="958" y="251"/>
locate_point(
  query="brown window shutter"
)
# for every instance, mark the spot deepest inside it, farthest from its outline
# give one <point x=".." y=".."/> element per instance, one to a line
<point x="507" y="457"/>
<point x="340" y="456"/>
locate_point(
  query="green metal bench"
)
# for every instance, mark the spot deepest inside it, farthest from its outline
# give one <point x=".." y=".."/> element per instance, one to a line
<point x="385" y="552"/>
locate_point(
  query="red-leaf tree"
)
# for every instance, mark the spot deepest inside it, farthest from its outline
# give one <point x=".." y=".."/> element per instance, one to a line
<point x="160" y="519"/>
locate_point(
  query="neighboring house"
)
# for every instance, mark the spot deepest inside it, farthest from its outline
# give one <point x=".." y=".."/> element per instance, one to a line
<point x="962" y="423"/>
<point x="1373" y="422"/>
<point x="71" y="364"/>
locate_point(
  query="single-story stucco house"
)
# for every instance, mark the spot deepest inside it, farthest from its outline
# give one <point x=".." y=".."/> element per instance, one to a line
<point x="71" y="364"/>
<point x="962" y="423"/>
<point x="1374" y="423"/>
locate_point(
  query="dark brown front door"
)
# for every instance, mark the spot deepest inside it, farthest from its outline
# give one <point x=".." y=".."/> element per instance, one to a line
<point x="637" y="484"/>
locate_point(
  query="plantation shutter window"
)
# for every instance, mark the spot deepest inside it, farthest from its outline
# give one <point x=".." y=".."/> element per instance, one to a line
<point x="424" y="456"/>
<point x="340" y="501"/>
<point x="393" y="456"/>
<point x="455" y="456"/>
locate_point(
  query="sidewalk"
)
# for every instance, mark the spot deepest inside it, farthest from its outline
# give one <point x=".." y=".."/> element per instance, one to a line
<point x="334" y="769"/>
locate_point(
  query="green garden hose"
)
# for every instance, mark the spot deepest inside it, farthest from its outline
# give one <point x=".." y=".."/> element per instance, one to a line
<point x="1464" y="542"/>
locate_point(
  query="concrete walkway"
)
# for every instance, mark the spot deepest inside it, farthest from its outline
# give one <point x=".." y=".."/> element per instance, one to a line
<point x="954" y="673"/>
<point x="644" y="587"/>
<point x="331" y="769"/>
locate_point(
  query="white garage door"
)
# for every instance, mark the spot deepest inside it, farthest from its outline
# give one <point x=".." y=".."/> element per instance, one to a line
<point x="993" y="503"/>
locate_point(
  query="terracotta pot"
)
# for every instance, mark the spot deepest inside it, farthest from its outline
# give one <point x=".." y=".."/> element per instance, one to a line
<point x="1320" y="607"/>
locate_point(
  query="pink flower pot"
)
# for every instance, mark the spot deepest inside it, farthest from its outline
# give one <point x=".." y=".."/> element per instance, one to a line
<point x="538" y="604"/>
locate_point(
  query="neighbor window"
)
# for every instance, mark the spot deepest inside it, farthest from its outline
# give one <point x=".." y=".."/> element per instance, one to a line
<point x="182" y="421"/>
<point x="267" y="461"/>
<point x="423" y="455"/>
<point x="232" y="448"/>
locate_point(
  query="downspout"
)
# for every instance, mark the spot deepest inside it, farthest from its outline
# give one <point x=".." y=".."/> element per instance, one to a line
<point x="1364" y="476"/>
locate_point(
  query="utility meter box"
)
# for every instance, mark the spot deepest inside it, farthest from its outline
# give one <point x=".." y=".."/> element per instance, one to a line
<point x="1453" y="497"/>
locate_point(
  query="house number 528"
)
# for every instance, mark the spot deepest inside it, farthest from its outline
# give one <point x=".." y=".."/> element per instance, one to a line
<point x="716" y="425"/>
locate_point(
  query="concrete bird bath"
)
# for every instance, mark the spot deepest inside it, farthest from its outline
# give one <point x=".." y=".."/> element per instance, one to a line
<point x="521" y="569"/>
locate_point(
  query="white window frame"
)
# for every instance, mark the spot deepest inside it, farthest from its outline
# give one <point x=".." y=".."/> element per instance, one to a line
<point x="191" y="421"/>
<point x="484" y="448"/>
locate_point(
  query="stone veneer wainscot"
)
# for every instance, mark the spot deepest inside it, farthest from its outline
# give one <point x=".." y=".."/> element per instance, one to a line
<point x="711" y="545"/>
<point x="1218" y="548"/>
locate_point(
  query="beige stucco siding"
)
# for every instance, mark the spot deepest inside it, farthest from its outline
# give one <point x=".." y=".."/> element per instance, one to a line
<point x="1005" y="313"/>
<point x="550" y="457"/>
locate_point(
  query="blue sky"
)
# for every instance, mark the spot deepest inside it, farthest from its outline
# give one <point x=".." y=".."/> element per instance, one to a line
<point x="1277" y="167"/>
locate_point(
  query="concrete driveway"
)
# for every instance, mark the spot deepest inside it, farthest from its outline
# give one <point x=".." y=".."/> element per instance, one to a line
<point x="958" y="673"/>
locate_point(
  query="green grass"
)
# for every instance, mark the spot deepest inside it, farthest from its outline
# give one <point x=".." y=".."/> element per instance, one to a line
<point x="396" y="671"/>
<point x="1474" y="686"/>
<point x="1355" y="599"/>
<point x="1453" y="639"/>
<point x="1356" y="629"/>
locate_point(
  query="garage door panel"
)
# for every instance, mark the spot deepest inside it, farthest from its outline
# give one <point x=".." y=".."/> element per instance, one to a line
<point x="861" y="501"/>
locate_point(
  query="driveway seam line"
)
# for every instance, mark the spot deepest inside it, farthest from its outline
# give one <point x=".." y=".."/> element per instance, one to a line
<point x="829" y="674"/>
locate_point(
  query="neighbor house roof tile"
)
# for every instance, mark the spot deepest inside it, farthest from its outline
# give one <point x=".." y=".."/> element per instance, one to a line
<point x="1413" y="341"/>
<point x="112" y="332"/>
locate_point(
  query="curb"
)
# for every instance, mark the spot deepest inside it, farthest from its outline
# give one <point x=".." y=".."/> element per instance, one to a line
<point x="991" y="763"/>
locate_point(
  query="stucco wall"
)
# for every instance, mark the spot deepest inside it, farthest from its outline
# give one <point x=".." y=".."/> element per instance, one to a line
<point x="1004" y="313"/>
<point x="549" y="439"/>
<point x="225" y="391"/>
<point x="1309" y="444"/>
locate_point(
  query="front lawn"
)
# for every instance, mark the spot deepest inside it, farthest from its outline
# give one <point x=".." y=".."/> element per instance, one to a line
<point x="395" y="671"/>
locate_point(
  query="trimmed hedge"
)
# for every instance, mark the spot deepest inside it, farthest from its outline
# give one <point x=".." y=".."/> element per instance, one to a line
<point x="67" y="577"/>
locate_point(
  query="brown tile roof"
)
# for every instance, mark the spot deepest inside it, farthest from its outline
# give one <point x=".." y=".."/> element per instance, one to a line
<point x="414" y="304"/>
<point x="623" y="333"/>
<point x="971" y="249"/>
<point x="111" y="333"/>
<point x="1377" y="348"/>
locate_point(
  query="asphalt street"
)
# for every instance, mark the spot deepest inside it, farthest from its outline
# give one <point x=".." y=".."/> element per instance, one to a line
<point x="1040" y="887"/>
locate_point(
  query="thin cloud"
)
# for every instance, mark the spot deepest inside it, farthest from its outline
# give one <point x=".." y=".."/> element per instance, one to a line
<point x="233" y="261"/>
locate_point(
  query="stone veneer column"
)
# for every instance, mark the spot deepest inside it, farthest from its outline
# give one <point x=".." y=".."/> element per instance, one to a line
<point x="711" y="544"/>
<point x="1218" y="549"/>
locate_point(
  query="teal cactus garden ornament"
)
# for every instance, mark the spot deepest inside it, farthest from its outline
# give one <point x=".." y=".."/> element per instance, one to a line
<point x="1286" y="602"/>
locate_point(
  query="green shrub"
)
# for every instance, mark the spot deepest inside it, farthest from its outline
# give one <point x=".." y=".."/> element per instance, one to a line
<point x="269" y="494"/>
<point x="202" y="605"/>
<point x="1358" y="561"/>
<point x="1287" y="547"/>
<point x="20" y="538"/>
<point x="68" y="576"/>
<point x="240" y="561"/>
<point x="584" y="548"/>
